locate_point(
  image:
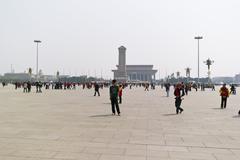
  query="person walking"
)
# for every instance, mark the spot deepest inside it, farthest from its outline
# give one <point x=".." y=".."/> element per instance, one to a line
<point x="96" y="88"/>
<point x="146" y="87"/>
<point x="167" y="87"/>
<point x="25" y="87"/>
<point x="120" y="93"/>
<point x="37" y="87"/>
<point x="182" y="89"/>
<point x="178" y="98"/>
<point x="233" y="90"/>
<point x="213" y="87"/>
<point x="186" y="88"/>
<point x="224" y="93"/>
<point x="114" y="89"/>
<point x="29" y="86"/>
<point x="16" y="85"/>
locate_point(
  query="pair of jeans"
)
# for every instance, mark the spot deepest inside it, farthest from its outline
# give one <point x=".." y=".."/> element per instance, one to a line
<point x="178" y="102"/>
<point x="114" y="103"/>
<point x="223" y="102"/>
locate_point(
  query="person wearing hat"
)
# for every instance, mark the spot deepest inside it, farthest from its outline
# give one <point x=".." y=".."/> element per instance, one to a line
<point x="178" y="98"/>
<point x="224" y="93"/>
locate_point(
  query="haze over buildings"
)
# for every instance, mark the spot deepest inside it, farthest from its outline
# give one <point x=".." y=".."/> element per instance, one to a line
<point x="80" y="37"/>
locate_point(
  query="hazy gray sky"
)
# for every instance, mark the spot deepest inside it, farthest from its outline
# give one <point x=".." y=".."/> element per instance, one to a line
<point x="82" y="36"/>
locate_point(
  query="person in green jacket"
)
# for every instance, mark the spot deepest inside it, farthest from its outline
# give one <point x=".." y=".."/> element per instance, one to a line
<point x="114" y="89"/>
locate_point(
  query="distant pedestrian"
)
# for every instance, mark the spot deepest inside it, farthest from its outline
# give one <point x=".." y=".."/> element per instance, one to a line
<point x="183" y="89"/>
<point x="167" y="87"/>
<point x="4" y="84"/>
<point x="16" y="85"/>
<point x="213" y="87"/>
<point x="96" y="88"/>
<point x="161" y="85"/>
<point x="29" y="86"/>
<point x="114" y="97"/>
<point x="178" y="98"/>
<point x="152" y="86"/>
<point x="224" y="93"/>
<point x="186" y="88"/>
<point x="25" y="87"/>
<point x="233" y="89"/>
<point x="146" y="87"/>
<point x="120" y="93"/>
<point x="39" y="87"/>
<point x="47" y="85"/>
<point x="195" y="86"/>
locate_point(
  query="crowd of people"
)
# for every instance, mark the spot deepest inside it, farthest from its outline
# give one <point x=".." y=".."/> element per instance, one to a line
<point x="116" y="90"/>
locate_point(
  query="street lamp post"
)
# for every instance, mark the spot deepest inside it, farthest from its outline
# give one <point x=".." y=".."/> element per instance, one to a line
<point x="37" y="41"/>
<point x="198" y="38"/>
<point x="188" y="74"/>
<point x="209" y="62"/>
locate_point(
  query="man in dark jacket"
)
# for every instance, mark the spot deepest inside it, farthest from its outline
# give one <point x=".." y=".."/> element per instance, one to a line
<point x="114" y="89"/>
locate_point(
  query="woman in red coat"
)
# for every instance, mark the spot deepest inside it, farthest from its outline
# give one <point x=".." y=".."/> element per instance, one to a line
<point x="120" y="93"/>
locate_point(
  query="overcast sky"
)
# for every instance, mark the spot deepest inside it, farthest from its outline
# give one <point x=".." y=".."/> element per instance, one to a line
<point x="82" y="36"/>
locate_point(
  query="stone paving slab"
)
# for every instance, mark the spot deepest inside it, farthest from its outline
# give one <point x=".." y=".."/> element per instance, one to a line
<point x="75" y="125"/>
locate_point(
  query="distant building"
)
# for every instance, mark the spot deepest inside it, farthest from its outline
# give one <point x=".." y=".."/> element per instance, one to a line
<point x="17" y="76"/>
<point x="132" y="72"/>
<point x="221" y="80"/>
<point x="48" y="78"/>
<point x="237" y="78"/>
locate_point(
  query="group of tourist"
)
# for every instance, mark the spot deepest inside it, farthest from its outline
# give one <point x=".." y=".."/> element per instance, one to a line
<point x="54" y="85"/>
<point x="181" y="89"/>
<point x="115" y="90"/>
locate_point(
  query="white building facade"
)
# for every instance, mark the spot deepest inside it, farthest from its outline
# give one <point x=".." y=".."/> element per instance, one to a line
<point x="132" y="72"/>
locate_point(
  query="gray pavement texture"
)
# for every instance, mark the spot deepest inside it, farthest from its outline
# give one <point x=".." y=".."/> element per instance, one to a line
<point x="75" y="125"/>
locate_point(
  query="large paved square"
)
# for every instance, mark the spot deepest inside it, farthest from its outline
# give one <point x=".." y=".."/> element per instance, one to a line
<point x="75" y="125"/>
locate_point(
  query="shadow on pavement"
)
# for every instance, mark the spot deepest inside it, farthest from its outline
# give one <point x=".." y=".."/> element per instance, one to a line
<point x="103" y="115"/>
<point x="171" y="114"/>
<point x="237" y="116"/>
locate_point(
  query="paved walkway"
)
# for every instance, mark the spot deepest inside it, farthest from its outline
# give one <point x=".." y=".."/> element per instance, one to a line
<point x="74" y="125"/>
